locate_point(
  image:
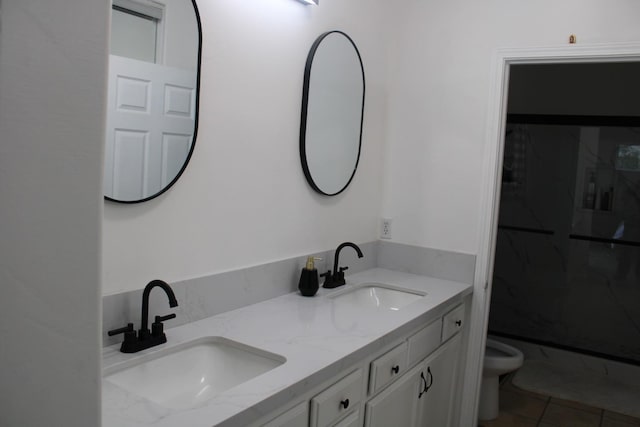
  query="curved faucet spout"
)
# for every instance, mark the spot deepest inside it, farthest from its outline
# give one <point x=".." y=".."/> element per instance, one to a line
<point x="173" y="302"/>
<point x="337" y="255"/>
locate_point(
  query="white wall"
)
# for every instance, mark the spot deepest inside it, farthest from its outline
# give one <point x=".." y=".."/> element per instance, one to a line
<point x="439" y="89"/>
<point x="52" y="89"/>
<point x="244" y="200"/>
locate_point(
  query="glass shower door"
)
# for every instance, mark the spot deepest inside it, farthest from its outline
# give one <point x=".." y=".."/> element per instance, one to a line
<point x="567" y="267"/>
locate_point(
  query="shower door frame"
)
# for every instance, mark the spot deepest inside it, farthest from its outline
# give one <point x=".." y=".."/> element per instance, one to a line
<point x="491" y="186"/>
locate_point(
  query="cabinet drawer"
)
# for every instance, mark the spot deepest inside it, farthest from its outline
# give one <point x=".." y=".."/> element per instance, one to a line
<point x="388" y="367"/>
<point x="352" y="420"/>
<point x="328" y="406"/>
<point x="423" y="342"/>
<point x="452" y="322"/>
<point x="298" y="416"/>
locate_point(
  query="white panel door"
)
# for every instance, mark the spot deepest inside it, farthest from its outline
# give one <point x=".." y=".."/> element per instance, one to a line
<point x="150" y="126"/>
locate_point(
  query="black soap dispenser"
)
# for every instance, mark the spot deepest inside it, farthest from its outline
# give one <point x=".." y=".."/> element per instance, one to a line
<point x="308" y="283"/>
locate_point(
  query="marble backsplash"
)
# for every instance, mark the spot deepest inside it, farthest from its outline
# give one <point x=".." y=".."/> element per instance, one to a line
<point x="207" y="296"/>
<point x="431" y="262"/>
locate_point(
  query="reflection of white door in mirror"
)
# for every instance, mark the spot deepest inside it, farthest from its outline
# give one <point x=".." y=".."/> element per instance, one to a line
<point x="152" y="105"/>
<point x="150" y="122"/>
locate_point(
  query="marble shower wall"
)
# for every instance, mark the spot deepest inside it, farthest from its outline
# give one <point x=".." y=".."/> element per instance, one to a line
<point x="567" y="269"/>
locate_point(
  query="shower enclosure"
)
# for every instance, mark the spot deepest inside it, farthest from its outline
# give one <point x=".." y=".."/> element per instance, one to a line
<point x="567" y="264"/>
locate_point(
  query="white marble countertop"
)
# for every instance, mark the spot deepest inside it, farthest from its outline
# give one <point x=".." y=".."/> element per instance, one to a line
<point x="318" y="337"/>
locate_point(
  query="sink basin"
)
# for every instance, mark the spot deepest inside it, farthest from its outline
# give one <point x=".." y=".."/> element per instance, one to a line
<point x="188" y="375"/>
<point x="377" y="296"/>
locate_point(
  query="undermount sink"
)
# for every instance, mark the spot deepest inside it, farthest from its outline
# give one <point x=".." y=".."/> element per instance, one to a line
<point x="190" y="374"/>
<point x="377" y="296"/>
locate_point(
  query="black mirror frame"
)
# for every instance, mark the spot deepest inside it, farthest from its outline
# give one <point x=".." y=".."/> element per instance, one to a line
<point x="195" y="125"/>
<point x="305" y="104"/>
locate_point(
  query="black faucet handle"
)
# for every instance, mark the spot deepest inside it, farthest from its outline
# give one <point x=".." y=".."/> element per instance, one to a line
<point x="343" y="269"/>
<point x="130" y="337"/>
<point x="157" y="328"/>
<point x="125" y="329"/>
<point x="328" y="280"/>
<point x="160" y="319"/>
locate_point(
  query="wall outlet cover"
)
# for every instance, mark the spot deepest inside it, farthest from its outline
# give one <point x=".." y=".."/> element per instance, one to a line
<point x="385" y="231"/>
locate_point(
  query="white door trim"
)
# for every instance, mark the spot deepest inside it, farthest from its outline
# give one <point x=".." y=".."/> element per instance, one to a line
<point x="490" y="198"/>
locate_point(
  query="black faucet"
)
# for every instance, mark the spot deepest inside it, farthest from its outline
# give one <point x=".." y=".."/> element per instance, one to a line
<point x="146" y="338"/>
<point x="335" y="279"/>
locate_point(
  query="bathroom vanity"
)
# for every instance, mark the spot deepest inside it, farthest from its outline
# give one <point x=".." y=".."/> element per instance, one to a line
<point x="383" y="350"/>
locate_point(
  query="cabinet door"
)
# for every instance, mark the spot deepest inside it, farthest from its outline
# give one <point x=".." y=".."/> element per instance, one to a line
<point x="397" y="404"/>
<point x="438" y="381"/>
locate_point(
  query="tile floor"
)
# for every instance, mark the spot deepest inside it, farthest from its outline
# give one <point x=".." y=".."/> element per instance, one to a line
<point x="521" y="408"/>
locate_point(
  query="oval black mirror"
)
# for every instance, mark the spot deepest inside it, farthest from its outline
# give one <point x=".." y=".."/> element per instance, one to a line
<point x="332" y="113"/>
<point x="153" y="94"/>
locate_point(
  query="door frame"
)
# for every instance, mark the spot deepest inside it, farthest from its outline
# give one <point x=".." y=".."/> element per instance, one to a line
<point x="490" y="196"/>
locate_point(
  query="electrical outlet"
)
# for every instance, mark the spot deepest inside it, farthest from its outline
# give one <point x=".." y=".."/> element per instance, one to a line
<point x="385" y="231"/>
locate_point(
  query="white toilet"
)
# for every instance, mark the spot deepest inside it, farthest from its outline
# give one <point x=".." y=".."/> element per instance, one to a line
<point x="499" y="359"/>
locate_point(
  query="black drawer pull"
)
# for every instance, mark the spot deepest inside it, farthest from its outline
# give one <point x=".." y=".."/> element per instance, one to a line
<point x="458" y="322"/>
<point x="395" y="369"/>
<point x="345" y="403"/>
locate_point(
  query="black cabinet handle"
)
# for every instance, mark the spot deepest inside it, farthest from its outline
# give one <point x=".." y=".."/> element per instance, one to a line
<point x="423" y="387"/>
<point x="428" y="383"/>
<point x="345" y="403"/>
<point x="395" y="369"/>
<point x="458" y="322"/>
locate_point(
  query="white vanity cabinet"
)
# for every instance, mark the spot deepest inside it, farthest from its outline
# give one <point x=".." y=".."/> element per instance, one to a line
<point x="411" y="384"/>
<point x="423" y="397"/>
